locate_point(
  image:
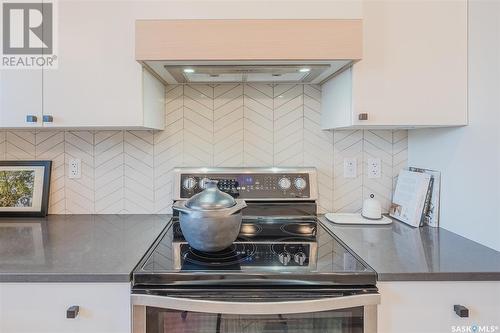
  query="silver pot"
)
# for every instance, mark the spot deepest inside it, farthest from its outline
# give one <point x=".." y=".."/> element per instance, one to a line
<point x="210" y="220"/>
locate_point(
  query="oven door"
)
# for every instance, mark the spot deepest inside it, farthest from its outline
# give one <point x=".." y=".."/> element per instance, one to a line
<point x="254" y="312"/>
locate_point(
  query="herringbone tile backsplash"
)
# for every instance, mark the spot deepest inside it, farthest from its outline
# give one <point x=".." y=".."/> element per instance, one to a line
<point x="125" y="172"/>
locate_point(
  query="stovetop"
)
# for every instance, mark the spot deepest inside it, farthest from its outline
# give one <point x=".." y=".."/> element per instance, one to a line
<point x="268" y="250"/>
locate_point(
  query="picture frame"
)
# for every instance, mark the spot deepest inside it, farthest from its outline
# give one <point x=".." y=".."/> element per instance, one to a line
<point x="24" y="188"/>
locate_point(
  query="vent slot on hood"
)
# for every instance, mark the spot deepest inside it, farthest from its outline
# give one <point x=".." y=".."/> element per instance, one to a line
<point x="246" y="73"/>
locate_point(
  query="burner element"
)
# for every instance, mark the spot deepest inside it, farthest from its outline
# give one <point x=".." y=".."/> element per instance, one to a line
<point x="250" y="229"/>
<point x="230" y="258"/>
<point x="299" y="229"/>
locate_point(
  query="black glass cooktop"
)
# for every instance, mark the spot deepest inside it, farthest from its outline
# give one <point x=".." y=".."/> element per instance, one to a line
<point x="274" y="250"/>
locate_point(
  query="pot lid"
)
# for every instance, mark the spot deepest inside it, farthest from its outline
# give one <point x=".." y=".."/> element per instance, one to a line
<point x="211" y="198"/>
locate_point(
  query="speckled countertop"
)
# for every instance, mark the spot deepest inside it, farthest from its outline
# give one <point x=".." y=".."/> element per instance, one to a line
<point x="398" y="252"/>
<point x="75" y="248"/>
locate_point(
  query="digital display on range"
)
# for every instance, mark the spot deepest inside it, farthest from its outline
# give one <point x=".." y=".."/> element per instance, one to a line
<point x="245" y="180"/>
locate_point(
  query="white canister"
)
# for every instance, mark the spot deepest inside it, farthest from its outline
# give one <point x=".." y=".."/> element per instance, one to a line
<point x="372" y="209"/>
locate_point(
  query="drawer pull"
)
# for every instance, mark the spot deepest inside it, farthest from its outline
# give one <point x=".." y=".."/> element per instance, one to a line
<point x="72" y="312"/>
<point x="47" y="119"/>
<point x="363" y="116"/>
<point x="31" y="118"/>
<point x="461" y="311"/>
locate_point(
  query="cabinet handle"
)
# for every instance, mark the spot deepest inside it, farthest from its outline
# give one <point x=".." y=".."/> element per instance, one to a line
<point x="72" y="311"/>
<point x="461" y="311"/>
<point x="47" y="119"/>
<point x="363" y="116"/>
<point x="31" y="118"/>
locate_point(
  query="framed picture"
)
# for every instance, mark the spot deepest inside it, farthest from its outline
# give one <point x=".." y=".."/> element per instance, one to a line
<point x="24" y="188"/>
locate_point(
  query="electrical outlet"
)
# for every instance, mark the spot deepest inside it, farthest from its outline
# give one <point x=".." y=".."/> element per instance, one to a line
<point x="350" y="168"/>
<point x="75" y="168"/>
<point x="374" y="168"/>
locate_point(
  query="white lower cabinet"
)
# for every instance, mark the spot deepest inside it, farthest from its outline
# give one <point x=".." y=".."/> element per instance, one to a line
<point x="418" y="307"/>
<point x="410" y="307"/>
<point x="41" y="307"/>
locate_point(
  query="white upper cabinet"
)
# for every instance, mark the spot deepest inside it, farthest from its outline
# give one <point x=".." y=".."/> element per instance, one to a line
<point x="413" y="72"/>
<point x="98" y="83"/>
<point x="20" y="98"/>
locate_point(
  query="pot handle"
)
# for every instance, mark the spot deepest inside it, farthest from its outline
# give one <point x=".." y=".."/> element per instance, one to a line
<point x="239" y="206"/>
<point x="180" y="208"/>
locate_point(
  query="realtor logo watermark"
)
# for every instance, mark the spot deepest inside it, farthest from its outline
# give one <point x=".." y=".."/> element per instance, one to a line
<point x="474" y="328"/>
<point x="28" y="35"/>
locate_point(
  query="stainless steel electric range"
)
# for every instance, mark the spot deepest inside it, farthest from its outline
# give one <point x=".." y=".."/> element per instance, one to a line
<point x="285" y="273"/>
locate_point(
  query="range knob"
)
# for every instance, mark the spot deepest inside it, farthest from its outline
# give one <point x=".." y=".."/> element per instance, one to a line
<point x="300" y="258"/>
<point x="203" y="182"/>
<point x="189" y="183"/>
<point x="300" y="183"/>
<point x="284" y="258"/>
<point x="284" y="183"/>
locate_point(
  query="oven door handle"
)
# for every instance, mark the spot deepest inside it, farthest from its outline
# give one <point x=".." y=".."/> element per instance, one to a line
<point x="255" y="308"/>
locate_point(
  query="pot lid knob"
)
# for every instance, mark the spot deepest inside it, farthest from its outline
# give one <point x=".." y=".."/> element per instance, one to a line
<point x="211" y="198"/>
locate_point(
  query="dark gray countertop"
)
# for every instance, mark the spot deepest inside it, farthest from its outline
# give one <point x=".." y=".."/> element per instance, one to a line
<point x="106" y="248"/>
<point x="75" y="248"/>
<point x="398" y="252"/>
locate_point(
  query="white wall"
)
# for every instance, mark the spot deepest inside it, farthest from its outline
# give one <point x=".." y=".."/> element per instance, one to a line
<point x="469" y="157"/>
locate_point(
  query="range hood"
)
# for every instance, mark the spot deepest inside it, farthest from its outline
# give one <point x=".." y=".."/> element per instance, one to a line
<point x="265" y="51"/>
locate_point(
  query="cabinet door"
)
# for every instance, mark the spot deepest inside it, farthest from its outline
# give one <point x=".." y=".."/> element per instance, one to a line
<point x="41" y="308"/>
<point x="20" y="97"/>
<point x="416" y="307"/>
<point x="97" y="83"/>
<point x="336" y="101"/>
<point x="414" y="66"/>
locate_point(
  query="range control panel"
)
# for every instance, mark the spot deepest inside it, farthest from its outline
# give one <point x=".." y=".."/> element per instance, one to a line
<point x="249" y="254"/>
<point x="256" y="185"/>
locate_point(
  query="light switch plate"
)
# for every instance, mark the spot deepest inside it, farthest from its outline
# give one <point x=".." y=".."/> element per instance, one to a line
<point x="75" y="168"/>
<point x="374" y="168"/>
<point x="350" y="168"/>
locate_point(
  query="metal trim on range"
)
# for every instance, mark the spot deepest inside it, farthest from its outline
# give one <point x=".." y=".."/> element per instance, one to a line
<point x="368" y="301"/>
<point x="255" y="308"/>
<point x="311" y="171"/>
